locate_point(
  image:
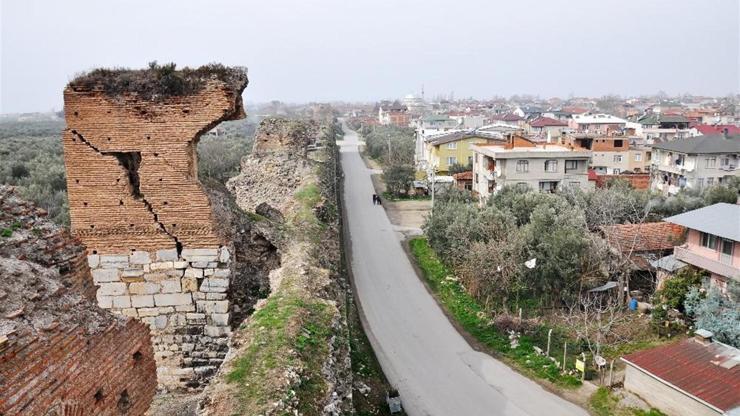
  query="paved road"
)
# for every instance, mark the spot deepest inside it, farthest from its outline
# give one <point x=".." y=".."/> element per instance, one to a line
<point x="433" y="367"/>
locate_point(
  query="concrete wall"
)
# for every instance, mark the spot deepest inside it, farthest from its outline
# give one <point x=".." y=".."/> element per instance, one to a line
<point x="667" y="399"/>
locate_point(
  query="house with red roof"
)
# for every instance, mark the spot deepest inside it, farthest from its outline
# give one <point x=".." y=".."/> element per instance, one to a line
<point x="707" y="129"/>
<point x="542" y="126"/>
<point x="694" y="377"/>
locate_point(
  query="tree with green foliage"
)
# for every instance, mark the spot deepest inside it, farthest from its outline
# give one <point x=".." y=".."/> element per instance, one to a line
<point x="716" y="312"/>
<point x="398" y="178"/>
<point x="720" y="193"/>
<point x="673" y="293"/>
<point x="459" y="168"/>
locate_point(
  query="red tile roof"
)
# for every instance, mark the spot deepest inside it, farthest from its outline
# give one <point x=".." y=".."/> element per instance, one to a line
<point x="707" y="130"/>
<point x="649" y="236"/>
<point x="463" y="176"/>
<point x="547" y="122"/>
<point x="507" y="117"/>
<point x="703" y="371"/>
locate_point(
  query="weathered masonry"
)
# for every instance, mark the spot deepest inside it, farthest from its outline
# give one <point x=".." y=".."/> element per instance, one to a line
<point x="60" y="354"/>
<point x="136" y="203"/>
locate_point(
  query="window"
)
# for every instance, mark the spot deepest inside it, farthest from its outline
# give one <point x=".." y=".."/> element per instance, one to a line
<point x="522" y="166"/>
<point x="709" y="241"/>
<point x="574" y="184"/>
<point x="680" y="160"/>
<point x="617" y="171"/>
<point x="470" y="160"/>
<point x="551" y="166"/>
<point x="522" y="186"/>
<point x="548" y="186"/>
<point x="700" y="183"/>
<point x="618" y="158"/>
<point x="452" y="145"/>
<point x="618" y="143"/>
<point x="638" y="157"/>
<point x="710" y="162"/>
<point x="710" y="181"/>
<point x="452" y="160"/>
<point x="725" y="162"/>
<point x="571" y="165"/>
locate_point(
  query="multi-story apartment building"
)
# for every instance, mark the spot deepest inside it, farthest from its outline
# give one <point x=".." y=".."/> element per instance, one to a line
<point x="695" y="162"/>
<point x="713" y="242"/>
<point x="664" y="127"/>
<point x="393" y="113"/>
<point x="446" y="150"/>
<point x="521" y="162"/>
<point x="613" y="155"/>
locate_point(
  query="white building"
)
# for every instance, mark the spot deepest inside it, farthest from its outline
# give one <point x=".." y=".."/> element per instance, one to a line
<point x="521" y="162"/>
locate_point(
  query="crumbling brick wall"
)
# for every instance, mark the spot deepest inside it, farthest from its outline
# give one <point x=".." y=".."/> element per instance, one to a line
<point x="60" y="354"/>
<point x="136" y="203"/>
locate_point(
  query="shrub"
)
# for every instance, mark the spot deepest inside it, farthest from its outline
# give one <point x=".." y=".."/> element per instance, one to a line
<point x="398" y="178"/>
<point x="715" y="312"/>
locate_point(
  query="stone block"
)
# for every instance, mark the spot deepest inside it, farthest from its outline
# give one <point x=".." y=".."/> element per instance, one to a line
<point x="189" y="252"/>
<point x="199" y="264"/>
<point x="170" y="286"/>
<point x="132" y="272"/>
<point x="216" y="331"/>
<point x="208" y="272"/>
<point x="148" y="311"/>
<point x="212" y="265"/>
<point x="214" y="285"/>
<point x="93" y="260"/>
<point x="222" y="273"/>
<point x="196" y="273"/>
<point x="189" y="284"/>
<point x="142" y="301"/>
<point x="220" y="319"/>
<point x="167" y="255"/>
<point x="112" y="289"/>
<point x="215" y="296"/>
<point x="161" y="265"/>
<point x="180" y="264"/>
<point x="130" y="312"/>
<point x="105" y="302"/>
<point x="172" y="299"/>
<point x="160" y="322"/>
<point x="144" y="288"/>
<point x="139" y="257"/>
<point x="209" y="306"/>
<point x="224" y="255"/>
<point x="155" y="277"/>
<point x="185" y="308"/>
<point x="202" y="259"/>
<point x="113" y="258"/>
<point x="105" y="275"/>
<point x="121" y="301"/>
<point x="174" y="273"/>
<point x="166" y="310"/>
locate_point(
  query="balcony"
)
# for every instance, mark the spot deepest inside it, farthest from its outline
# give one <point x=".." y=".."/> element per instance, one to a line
<point x="715" y="266"/>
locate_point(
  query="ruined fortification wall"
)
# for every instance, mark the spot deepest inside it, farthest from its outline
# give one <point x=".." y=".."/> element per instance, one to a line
<point x="59" y="353"/>
<point x="136" y="202"/>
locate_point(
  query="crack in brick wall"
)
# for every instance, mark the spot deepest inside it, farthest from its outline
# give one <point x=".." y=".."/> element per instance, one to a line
<point x="136" y="202"/>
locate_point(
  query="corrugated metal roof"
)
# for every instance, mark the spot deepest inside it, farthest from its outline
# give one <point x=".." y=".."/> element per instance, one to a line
<point x="698" y="370"/>
<point x="720" y="219"/>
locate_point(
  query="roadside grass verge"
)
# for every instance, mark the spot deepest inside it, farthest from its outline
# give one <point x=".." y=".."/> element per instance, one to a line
<point x="465" y="310"/>
<point x="604" y="403"/>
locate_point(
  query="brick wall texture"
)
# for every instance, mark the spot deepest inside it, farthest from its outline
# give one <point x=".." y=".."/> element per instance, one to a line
<point x="131" y="167"/>
<point x="60" y="354"/>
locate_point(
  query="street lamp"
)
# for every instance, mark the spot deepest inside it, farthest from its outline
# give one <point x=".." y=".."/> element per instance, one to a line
<point x="432" y="174"/>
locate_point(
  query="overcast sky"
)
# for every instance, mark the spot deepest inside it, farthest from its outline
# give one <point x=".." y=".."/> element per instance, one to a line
<point x="322" y="50"/>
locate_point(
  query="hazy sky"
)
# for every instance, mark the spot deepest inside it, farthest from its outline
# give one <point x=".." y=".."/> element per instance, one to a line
<point x="321" y="50"/>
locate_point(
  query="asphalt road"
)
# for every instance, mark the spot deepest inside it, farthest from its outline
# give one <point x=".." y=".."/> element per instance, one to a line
<point x="433" y="367"/>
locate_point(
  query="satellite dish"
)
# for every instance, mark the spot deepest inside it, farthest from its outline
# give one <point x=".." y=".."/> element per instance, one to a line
<point x="531" y="263"/>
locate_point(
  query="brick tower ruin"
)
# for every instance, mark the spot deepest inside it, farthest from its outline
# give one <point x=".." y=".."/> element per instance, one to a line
<point x="136" y="203"/>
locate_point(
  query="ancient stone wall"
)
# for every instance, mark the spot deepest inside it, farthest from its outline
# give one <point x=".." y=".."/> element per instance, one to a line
<point x="136" y="202"/>
<point x="60" y="354"/>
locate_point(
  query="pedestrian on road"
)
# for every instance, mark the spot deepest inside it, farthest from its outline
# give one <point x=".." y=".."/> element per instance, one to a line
<point x="379" y="202"/>
<point x="375" y="199"/>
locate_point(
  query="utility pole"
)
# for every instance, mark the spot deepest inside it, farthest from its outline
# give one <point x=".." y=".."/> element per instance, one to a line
<point x="388" y="136"/>
<point x="432" y="173"/>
